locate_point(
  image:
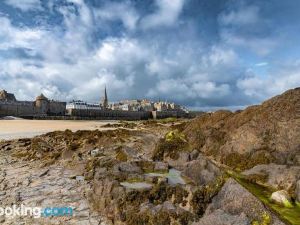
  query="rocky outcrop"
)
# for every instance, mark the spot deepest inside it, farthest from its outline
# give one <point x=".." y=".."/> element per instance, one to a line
<point x="257" y="135"/>
<point x="275" y="176"/>
<point x="201" y="171"/>
<point x="236" y="205"/>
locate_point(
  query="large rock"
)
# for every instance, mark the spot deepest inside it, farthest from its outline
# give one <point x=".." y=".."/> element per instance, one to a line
<point x="201" y="171"/>
<point x="281" y="197"/>
<point x="219" y="217"/>
<point x="128" y="167"/>
<point x="179" y="163"/>
<point x="257" y="135"/>
<point x="276" y="176"/>
<point x="234" y="200"/>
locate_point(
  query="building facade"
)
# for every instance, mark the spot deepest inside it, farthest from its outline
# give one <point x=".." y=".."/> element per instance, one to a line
<point x="42" y="106"/>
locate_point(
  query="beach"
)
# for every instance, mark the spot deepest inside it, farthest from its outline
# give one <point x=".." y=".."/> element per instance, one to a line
<point x="13" y="129"/>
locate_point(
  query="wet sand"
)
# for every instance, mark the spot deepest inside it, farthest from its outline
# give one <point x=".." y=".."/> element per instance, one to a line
<point x="12" y="129"/>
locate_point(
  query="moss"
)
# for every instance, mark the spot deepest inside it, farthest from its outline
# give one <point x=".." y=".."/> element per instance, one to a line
<point x="170" y="146"/>
<point x="258" y="178"/>
<point x="121" y="155"/>
<point x="290" y="215"/>
<point x="265" y="220"/>
<point x="204" y="194"/>
<point x="246" y="161"/>
<point x="73" y="146"/>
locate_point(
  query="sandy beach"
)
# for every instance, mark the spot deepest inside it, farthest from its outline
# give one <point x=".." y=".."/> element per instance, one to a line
<point x="12" y="129"/>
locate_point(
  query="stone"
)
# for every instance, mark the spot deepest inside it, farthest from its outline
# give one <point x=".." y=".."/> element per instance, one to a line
<point x="234" y="199"/>
<point x="219" y="217"/>
<point x="161" y="166"/>
<point x="201" y="171"/>
<point x="96" y="152"/>
<point x="129" y="167"/>
<point x="276" y="176"/>
<point x="281" y="197"/>
<point x="194" y="154"/>
<point x="80" y="178"/>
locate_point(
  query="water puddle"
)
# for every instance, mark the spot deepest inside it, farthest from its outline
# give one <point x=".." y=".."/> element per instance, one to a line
<point x="174" y="176"/>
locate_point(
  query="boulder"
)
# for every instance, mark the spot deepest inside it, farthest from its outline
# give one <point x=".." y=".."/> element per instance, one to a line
<point x="183" y="158"/>
<point x="219" y="217"/>
<point x="96" y="152"/>
<point x="276" y="176"/>
<point x="201" y="171"/>
<point x="281" y="197"/>
<point x="128" y="167"/>
<point x="235" y="200"/>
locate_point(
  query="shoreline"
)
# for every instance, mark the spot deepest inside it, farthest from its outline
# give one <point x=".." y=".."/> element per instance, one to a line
<point x="14" y="129"/>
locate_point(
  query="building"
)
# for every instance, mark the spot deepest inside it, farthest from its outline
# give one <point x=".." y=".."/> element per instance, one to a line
<point x="104" y="102"/>
<point x="42" y="106"/>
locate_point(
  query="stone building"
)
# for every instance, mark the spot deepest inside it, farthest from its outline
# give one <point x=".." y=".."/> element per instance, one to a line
<point x="42" y="106"/>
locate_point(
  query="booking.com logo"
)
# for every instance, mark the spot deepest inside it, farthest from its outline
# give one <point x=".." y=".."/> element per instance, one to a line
<point x="35" y="212"/>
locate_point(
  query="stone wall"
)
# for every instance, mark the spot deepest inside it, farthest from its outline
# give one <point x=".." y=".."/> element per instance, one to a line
<point x="109" y="114"/>
<point x="57" y="108"/>
<point x="24" y="108"/>
<point x="167" y="114"/>
<point x="17" y="108"/>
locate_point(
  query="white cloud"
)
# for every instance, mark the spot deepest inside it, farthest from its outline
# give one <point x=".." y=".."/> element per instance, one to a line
<point x="166" y="15"/>
<point x="261" y="64"/>
<point x="261" y="88"/>
<point x="118" y="11"/>
<point x="25" y="5"/>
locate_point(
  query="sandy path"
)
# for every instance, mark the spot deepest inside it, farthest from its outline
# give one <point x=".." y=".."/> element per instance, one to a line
<point x="11" y="129"/>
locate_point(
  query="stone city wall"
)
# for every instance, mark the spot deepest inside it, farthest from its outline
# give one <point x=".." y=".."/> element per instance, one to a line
<point x="24" y="108"/>
<point x="17" y="108"/>
<point x="109" y="114"/>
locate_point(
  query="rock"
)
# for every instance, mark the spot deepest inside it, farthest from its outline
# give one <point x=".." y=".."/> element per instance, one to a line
<point x="276" y="176"/>
<point x="298" y="191"/>
<point x="129" y="167"/>
<point x="194" y="154"/>
<point x="219" y="217"/>
<point x="233" y="199"/>
<point x="201" y="171"/>
<point x="79" y="178"/>
<point x="183" y="158"/>
<point x="96" y="152"/>
<point x="161" y="166"/>
<point x="282" y="198"/>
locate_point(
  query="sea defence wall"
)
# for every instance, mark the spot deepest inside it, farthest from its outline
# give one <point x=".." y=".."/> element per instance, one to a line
<point x="108" y="114"/>
<point x="17" y="108"/>
<point x="123" y="115"/>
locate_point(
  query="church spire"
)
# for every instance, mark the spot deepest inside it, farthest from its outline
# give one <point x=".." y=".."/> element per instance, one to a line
<point x="105" y="99"/>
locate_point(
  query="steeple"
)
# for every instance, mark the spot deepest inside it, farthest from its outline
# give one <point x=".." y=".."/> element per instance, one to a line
<point x="105" y="99"/>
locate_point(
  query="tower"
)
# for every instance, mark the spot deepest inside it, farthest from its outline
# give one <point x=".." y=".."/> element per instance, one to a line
<point x="42" y="104"/>
<point x="105" y="100"/>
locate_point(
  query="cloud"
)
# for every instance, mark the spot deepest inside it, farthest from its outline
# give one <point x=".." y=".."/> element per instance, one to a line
<point x="123" y="11"/>
<point x="243" y="26"/>
<point x="25" y="5"/>
<point x="261" y="88"/>
<point x="261" y="64"/>
<point x="166" y="15"/>
<point x="244" y="15"/>
<point x="80" y="47"/>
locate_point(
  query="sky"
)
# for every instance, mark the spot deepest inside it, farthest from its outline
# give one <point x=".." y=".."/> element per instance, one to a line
<point x="204" y="54"/>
